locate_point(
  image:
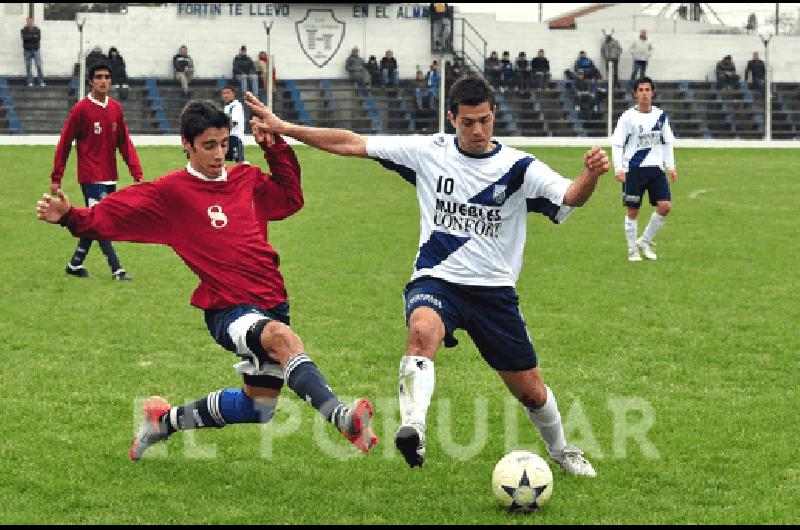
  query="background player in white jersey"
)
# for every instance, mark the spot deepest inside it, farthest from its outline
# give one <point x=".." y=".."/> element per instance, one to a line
<point x="235" y="111"/>
<point x="474" y="196"/>
<point x="641" y="145"/>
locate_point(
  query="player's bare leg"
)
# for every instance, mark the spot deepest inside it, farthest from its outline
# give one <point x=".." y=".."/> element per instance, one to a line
<point x="541" y="407"/>
<point x="425" y="334"/>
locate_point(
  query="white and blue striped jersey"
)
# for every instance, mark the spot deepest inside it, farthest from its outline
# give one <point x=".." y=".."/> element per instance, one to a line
<point x="235" y="111"/>
<point x="643" y="139"/>
<point x="473" y="208"/>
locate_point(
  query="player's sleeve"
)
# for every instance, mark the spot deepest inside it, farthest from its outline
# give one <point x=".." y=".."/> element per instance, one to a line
<point x="618" y="143"/>
<point x="398" y="153"/>
<point x="64" y="146"/>
<point x="136" y="213"/>
<point x="544" y="192"/>
<point x="669" y="142"/>
<point x="127" y="150"/>
<point x="278" y="194"/>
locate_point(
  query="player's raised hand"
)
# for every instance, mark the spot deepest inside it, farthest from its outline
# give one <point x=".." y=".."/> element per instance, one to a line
<point x="261" y="133"/>
<point x="596" y="161"/>
<point x="51" y="209"/>
<point x="268" y="120"/>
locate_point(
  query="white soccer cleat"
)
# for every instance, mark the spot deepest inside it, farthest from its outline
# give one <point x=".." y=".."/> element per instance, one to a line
<point x="647" y="249"/>
<point x="633" y="255"/>
<point x="149" y="433"/>
<point x="571" y="459"/>
<point x="410" y="441"/>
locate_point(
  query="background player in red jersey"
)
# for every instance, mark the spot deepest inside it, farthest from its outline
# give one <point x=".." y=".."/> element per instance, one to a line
<point x="215" y="219"/>
<point x="97" y="123"/>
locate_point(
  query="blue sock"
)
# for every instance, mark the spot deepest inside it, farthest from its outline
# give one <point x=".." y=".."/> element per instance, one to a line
<point x="305" y="379"/>
<point x="217" y="410"/>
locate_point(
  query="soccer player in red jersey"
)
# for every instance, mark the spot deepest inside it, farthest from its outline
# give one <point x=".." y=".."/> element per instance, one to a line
<point x="97" y="123"/>
<point x="215" y="218"/>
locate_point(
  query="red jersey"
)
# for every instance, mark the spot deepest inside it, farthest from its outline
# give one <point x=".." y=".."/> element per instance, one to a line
<point x="217" y="227"/>
<point x="100" y="130"/>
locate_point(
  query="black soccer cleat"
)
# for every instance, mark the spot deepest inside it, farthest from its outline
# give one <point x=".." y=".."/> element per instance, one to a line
<point x="410" y="441"/>
<point x="79" y="271"/>
<point x="120" y="276"/>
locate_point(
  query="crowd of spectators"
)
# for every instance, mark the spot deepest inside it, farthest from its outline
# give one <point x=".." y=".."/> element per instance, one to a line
<point x="520" y="76"/>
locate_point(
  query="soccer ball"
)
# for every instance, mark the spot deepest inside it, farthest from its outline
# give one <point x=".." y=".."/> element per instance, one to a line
<point x="522" y="481"/>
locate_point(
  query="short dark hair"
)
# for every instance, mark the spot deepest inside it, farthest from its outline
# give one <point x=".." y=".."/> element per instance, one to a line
<point x="97" y="65"/>
<point x="228" y="87"/>
<point x="470" y="90"/>
<point x="199" y="115"/>
<point x="641" y="81"/>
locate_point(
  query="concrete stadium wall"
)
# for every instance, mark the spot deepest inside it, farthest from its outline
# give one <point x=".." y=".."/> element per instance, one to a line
<point x="149" y="37"/>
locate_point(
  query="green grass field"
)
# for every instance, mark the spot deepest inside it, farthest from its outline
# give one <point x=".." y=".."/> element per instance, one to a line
<point x="702" y="344"/>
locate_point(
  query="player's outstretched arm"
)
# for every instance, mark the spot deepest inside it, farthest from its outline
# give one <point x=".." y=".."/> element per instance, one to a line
<point x="336" y="141"/>
<point x="50" y="209"/>
<point x="595" y="163"/>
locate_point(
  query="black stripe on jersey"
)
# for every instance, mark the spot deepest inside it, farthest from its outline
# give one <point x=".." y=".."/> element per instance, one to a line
<point x="512" y="180"/>
<point x="406" y="172"/>
<point x="543" y="206"/>
<point x="437" y="249"/>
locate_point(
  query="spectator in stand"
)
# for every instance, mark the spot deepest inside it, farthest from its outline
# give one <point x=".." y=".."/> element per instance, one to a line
<point x="95" y="56"/>
<point x="183" y="66"/>
<point x="584" y="98"/>
<point x="389" y="69"/>
<point x="432" y="79"/>
<point x="421" y="92"/>
<point x="357" y="71"/>
<point x="244" y="69"/>
<point x="119" y="77"/>
<point x="540" y="69"/>
<point x="453" y="72"/>
<point x="506" y="72"/>
<point x="31" y="37"/>
<point x="374" y="70"/>
<point x="492" y="70"/>
<point x="523" y="73"/>
<point x="641" y="52"/>
<point x="262" y="70"/>
<point x="758" y="71"/>
<point x="726" y="73"/>
<point x="585" y="65"/>
<point x="610" y="52"/>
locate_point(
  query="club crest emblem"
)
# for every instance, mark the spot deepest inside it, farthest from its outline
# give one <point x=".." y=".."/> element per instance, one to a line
<point x="97" y="128"/>
<point x="499" y="195"/>
<point x="320" y="35"/>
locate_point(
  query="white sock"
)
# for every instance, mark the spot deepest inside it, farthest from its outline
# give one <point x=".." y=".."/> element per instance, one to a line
<point x="547" y="421"/>
<point x="631" y="232"/>
<point x="416" y="389"/>
<point x="656" y="222"/>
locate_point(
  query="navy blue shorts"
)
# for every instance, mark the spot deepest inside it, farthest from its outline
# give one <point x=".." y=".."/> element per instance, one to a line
<point x="490" y="316"/>
<point x="219" y="321"/>
<point x="94" y="192"/>
<point x="639" y="179"/>
<point x="235" y="149"/>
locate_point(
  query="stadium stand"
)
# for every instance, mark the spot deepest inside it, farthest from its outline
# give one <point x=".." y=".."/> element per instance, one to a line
<point x="697" y="108"/>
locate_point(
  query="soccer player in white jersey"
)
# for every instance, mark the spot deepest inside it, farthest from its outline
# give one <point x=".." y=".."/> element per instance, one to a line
<point x="234" y="110"/>
<point x="474" y="196"/>
<point x="641" y="145"/>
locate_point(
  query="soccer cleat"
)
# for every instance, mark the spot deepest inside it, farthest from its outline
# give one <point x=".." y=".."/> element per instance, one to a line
<point x="571" y="459"/>
<point x="79" y="271"/>
<point x="120" y="275"/>
<point x="356" y="425"/>
<point x="410" y="441"/>
<point x="647" y="248"/>
<point x="150" y="432"/>
<point x="633" y="255"/>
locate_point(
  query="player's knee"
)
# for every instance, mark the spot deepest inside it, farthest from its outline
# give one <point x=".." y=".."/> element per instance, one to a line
<point x="424" y="330"/>
<point x="664" y="208"/>
<point x="280" y="341"/>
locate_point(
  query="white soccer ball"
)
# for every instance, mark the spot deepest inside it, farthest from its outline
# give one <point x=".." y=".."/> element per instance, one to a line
<point x="522" y="481"/>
